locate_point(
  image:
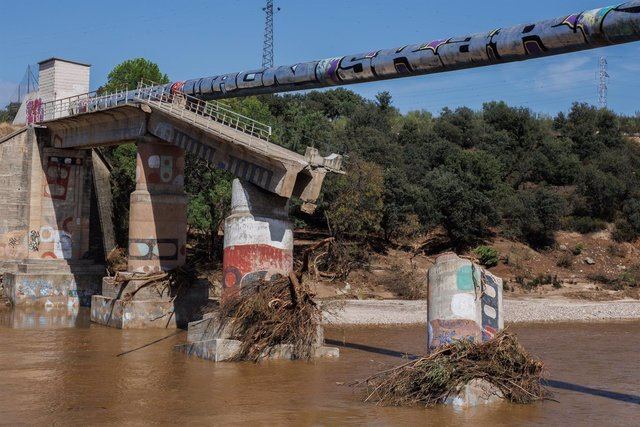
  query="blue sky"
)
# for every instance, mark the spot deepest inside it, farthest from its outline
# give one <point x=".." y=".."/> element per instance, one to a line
<point x="196" y="38"/>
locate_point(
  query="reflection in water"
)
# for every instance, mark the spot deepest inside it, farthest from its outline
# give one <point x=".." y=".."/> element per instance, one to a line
<point x="42" y="318"/>
<point x="74" y="376"/>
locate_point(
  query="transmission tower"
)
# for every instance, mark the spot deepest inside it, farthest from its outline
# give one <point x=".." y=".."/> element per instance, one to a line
<point x="602" y="87"/>
<point x="267" y="49"/>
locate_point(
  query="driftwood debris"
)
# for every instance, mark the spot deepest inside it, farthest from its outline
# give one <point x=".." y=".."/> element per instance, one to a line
<point x="272" y="312"/>
<point x="432" y="379"/>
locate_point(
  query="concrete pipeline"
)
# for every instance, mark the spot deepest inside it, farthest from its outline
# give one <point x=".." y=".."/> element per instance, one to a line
<point x="570" y="33"/>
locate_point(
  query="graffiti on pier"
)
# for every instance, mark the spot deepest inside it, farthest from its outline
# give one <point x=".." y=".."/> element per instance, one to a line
<point x="443" y="332"/>
<point x="35" y="288"/>
<point x="154" y="249"/>
<point x="35" y="111"/>
<point x="61" y="240"/>
<point x="34" y="241"/>
<point x="58" y="174"/>
<point x="490" y="306"/>
<point x="578" y="31"/>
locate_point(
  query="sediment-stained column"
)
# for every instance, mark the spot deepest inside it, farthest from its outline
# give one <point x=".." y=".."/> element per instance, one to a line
<point x="464" y="302"/>
<point x="258" y="237"/>
<point x="158" y="214"/>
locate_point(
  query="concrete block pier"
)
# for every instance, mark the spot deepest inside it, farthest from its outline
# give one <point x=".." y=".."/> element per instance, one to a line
<point x="136" y="306"/>
<point x="209" y="339"/>
<point x="465" y="302"/>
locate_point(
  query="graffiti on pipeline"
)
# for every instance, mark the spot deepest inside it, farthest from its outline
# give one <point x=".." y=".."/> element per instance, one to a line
<point x="589" y="29"/>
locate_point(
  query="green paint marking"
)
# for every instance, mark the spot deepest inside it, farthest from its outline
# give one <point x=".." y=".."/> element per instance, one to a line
<point x="464" y="278"/>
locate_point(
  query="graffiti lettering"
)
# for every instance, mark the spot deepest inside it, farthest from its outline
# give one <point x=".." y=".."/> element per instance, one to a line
<point x="604" y="26"/>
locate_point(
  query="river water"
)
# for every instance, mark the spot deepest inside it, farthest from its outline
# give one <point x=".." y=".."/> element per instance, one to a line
<point x="62" y="369"/>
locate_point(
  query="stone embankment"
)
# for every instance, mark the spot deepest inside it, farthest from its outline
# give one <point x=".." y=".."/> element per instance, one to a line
<point x="393" y="312"/>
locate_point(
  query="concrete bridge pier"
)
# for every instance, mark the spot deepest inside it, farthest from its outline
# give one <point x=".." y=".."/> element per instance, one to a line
<point x="258" y="237"/>
<point x="158" y="210"/>
<point x="157" y="243"/>
<point x="465" y="302"/>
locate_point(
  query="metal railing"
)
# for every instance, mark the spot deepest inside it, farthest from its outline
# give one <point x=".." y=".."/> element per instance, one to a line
<point x="181" y="105"/>
<point x="190" y="109"/>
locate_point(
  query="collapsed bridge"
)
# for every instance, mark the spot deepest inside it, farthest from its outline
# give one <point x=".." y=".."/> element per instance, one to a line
<point x="55" y="188"/>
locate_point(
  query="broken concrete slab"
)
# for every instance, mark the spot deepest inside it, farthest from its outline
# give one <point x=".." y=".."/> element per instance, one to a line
<point x="133" y="306"/>
<point x="122" y="314"/>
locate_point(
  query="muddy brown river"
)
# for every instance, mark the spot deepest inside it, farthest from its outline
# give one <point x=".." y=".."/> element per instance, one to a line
<point x="59" y="369"/>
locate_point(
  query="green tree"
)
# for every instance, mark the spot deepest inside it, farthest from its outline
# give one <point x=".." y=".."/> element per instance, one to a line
<point x="355" y="204"/>
<point x="129" y="73"/>
<point x="9" y="112"/>
<point x="123" y="183"/>
<point x="533" y="216"/>
<point x="209" y="192"/>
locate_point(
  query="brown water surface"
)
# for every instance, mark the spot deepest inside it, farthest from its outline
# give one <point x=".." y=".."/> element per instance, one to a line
<point x="59" y="368"/>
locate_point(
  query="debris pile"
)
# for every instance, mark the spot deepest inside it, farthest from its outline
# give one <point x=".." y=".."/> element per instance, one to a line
<point x="168" y="283"/>
<point x="272" y="312"/>
<point x="268" y="313"/>
<point x="431" y="380"/>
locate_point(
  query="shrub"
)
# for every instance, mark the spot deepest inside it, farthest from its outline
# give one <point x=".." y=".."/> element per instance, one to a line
<point x="565" y="260"/>
<point x="533" y="216"/>
<point x="584" y="224"/>
<point x="540" y="280"/>
<point x="617" y="250"/>
<point x="487" y="256"/>
<point x="577" y="250"/>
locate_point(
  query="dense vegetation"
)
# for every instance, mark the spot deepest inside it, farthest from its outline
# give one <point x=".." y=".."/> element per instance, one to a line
<point x="475" y="173"/>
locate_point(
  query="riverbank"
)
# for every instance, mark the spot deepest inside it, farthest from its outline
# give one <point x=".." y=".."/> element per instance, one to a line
<point x="522" y="310"/>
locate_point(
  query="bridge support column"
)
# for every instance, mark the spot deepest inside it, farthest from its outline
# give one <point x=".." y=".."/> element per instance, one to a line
<point x="158" y="210"/>
<point x="465" y="302"/>
<point x="258" y="237"/>
<point x="157" y="242"/>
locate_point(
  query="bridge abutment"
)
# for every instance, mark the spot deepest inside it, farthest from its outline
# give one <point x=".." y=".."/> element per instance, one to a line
<point x="50" y="233"/>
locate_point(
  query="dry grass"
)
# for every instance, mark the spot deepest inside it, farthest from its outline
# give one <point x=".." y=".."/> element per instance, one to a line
<point x="6" y="129"/>
<point x="430" y="380"/>
<point x="405" y="284"/>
